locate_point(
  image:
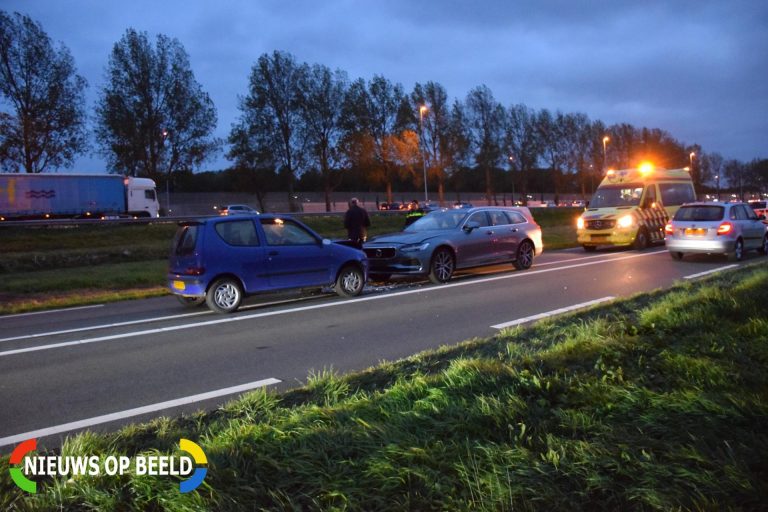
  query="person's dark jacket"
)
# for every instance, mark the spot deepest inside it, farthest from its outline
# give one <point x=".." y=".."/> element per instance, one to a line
<point x="356" y="221"/>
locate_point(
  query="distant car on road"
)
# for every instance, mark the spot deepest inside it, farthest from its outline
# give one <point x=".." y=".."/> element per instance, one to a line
<point x="220" y="260"/>
<point x="760" y="207"/>
<point x="237" y="209"/>
<point x="716" y="228"/>
<point x="445" y="240"/>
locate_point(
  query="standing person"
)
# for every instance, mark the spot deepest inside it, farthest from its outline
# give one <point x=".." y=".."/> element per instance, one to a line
<point x="357" y="222"/>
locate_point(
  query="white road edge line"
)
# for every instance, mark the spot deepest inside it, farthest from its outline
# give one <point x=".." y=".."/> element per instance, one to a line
<point x="552" y="313"/>
<point x="60" y="310"/>
<point x="97" y="420"/>
<point x="324" y="305"/>
<point x="104" y="326"/>
<point x="714" y="270"/>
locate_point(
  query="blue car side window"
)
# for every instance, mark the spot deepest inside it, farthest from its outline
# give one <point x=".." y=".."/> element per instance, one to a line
<point x="238" y="233"/>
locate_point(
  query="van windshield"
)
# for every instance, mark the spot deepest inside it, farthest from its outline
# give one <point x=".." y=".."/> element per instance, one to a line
<point x="612" y="196"/>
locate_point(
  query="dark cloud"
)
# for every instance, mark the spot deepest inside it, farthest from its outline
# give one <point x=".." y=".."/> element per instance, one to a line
<point x="694" y="68"/>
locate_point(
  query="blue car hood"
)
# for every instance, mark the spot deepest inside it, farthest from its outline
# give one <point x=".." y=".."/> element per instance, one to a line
<point x="404" y="238"/>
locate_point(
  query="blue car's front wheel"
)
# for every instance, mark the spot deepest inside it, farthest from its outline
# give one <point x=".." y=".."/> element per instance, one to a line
<point x="350" y="281"/>
<point x="224" y="295"/>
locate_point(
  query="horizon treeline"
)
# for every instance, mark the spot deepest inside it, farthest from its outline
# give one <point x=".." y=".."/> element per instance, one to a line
<point x="305" y="126"/>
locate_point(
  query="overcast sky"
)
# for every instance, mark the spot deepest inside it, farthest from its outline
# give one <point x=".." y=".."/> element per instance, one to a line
<point x="695" y="68"/>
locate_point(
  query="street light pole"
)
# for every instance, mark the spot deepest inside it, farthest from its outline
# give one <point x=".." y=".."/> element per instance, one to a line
<point x="512" y="170"/>
<point x="422" y="110"/>
<point x="605" y="153"/>
<point x="167" y="180"/>
<point x="717" y="180"/>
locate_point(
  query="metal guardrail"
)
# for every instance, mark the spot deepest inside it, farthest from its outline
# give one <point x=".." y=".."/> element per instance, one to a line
<point x="160" y="220"/>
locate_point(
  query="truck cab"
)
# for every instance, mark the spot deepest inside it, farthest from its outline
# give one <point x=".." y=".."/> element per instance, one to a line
<point x="141" y="197"/>
<point x="632" y="206"/>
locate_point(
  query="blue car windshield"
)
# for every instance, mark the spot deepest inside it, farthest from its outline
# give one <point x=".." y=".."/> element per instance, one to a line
<point x="443" y="219"/>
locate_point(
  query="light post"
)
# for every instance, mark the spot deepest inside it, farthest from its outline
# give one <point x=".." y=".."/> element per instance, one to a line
<point x="167" y="180"/>
<point x="605" y="157"/>
<point x="717" y="181"/>
<point x="512" y="170"/>
<point x="423" y="110"/>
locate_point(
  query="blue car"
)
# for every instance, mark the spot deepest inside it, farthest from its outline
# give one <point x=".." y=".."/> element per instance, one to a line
<point x="220" y="260"/>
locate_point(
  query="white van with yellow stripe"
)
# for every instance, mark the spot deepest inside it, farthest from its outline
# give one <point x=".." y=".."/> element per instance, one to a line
<point x="632" y="206"/>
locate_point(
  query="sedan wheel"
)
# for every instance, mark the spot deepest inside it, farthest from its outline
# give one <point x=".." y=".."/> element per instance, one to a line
<point x="525" y="252"/>
<point x="442" y="266"/>
<point x="224" y="296"/>
<point x="738" y="251"/>
<point x="677" y="256"/>
<point x="350" y="282"/>
<point x="764" y="248"/>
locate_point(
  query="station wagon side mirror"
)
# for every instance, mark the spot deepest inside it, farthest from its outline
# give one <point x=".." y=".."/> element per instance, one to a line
<point x="471" y="226"/>
<point x="326" y="241"/>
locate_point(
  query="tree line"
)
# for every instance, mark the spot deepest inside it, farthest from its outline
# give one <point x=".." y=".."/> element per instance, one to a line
<point x="300" y="121"/>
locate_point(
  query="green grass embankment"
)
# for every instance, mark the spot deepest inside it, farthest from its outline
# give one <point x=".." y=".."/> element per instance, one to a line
<point x="658" y="402"/>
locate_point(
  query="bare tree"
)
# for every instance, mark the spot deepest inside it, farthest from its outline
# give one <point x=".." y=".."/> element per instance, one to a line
<point x="153" y="118"/>
<point x="321" y="99"/>
<point x="486" y="123"/>
<point x="271" y="123"/>
<point x="375" y="120"/>
<point x="42" y="121"/>
<point x="522" y="144"/>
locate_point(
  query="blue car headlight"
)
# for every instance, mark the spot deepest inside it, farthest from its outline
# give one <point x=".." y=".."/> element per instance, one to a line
<point x="414" y="247"/>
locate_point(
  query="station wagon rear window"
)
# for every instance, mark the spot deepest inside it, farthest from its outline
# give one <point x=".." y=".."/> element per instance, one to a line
<point x="699" y="213"/>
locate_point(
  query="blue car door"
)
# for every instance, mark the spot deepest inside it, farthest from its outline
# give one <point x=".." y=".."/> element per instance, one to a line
<point x="241" y="254"/>
<point x="296" y="257"/>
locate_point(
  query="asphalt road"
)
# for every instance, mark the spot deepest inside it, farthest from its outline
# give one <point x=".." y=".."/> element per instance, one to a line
<point x="102" y="366"/>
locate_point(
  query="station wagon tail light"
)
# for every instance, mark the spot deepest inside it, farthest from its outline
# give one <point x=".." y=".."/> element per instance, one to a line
<point x="669" y="229"/>
<point x="194" y="271"/>
<point x="724" y="228"/>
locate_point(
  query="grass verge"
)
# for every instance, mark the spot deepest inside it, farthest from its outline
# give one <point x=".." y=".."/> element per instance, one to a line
<point x="658" y="402"/>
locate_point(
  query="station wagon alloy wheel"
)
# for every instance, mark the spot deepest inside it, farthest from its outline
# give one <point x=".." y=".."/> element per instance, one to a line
<point x="442" y="266"/>
<point x="224" y="296"/>
<point x="524" y="258"/>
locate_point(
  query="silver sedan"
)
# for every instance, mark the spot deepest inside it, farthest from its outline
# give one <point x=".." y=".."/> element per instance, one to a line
<point x="716" y="228"/>
<point x="449" y="239"/>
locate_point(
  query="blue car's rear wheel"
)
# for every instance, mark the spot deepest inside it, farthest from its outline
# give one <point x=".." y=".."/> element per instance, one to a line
<point x="442" y="266"/>
<point x="224" y="295"/>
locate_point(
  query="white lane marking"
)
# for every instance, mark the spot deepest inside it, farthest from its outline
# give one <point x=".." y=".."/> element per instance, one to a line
<point x="104" y="326"/>
<point x="569" y="260"/>
<point x="98" y="420"/>
<point x="312" y="307"/>
<point x="60" y="310"/>
<point x="551" y="313"/>
<point x="720" y="269"/>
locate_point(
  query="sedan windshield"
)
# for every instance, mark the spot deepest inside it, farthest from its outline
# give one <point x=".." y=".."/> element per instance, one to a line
<point x="443" y="219"/>
<point x="613" y="196"/>
<point x="700" y="213"/>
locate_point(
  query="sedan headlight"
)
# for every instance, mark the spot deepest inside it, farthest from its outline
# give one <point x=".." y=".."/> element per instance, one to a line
<point x="626" y="221"/>
<point x="415" y="247"/>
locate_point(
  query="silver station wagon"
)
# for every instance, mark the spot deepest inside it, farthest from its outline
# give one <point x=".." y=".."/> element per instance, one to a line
<point x="716" y="228"/>
<point x="445" y="240"/>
